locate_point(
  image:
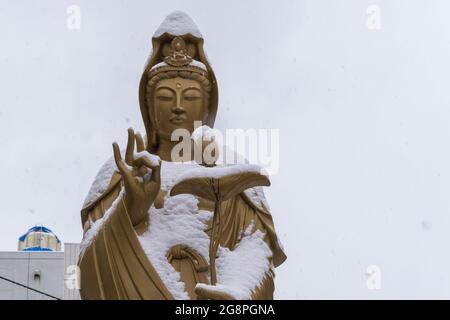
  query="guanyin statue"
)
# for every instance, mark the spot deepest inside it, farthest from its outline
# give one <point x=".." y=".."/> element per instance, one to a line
<point x="149" y="233"/>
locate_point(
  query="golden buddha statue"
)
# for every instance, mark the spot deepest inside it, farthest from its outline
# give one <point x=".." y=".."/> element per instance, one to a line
<point x="141" y="239"/>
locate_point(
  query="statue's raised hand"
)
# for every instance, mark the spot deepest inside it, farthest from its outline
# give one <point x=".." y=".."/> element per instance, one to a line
<point x="141" y="176"/>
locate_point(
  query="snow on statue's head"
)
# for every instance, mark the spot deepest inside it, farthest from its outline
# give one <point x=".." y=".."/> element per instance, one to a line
<point x="178" y="85"/>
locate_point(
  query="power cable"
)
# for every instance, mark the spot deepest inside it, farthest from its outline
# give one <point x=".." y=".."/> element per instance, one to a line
<point x="27" y="287"/>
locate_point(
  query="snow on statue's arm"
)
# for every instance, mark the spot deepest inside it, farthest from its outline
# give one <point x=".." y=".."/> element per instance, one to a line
<point x="242" y="270"/>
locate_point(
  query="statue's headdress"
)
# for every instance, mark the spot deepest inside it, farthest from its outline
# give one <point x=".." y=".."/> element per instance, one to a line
<point x="177" y="46"/>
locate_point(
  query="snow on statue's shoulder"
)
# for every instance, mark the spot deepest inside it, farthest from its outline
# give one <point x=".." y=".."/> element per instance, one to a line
<point x="178" y="23"/>
<point x="101" y="181"/>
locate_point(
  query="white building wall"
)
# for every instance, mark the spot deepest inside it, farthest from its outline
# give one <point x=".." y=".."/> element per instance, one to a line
<point x="22" y="266"/>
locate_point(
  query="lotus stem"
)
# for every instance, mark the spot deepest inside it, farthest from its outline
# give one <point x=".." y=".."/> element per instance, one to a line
<point x="214" y="243"/>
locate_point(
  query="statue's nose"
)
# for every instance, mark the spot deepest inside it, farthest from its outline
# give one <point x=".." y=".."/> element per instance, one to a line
<point x="178" y="109"/>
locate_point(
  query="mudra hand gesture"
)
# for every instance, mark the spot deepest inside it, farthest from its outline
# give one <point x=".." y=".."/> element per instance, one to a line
<point x="141" y="176"/>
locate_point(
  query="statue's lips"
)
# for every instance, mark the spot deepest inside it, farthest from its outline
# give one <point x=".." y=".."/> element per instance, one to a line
<point x="178" y="118"/>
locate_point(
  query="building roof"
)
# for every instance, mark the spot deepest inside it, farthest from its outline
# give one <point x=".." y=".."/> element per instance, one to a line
<point x="38" y="229"/>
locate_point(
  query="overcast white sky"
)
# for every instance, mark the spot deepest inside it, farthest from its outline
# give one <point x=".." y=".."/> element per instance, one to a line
<point x="363" y="116"/>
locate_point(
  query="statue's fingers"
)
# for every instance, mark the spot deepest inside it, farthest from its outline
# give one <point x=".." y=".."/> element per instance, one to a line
<point x="141" y="171"/>
<point x="156" y="169"/>
<point x="139" y="142"/>
<point x="142" y="162"/>
<point x="126" y="174"/>
<point x="130" y="147"/>
<point x="118" y="158"/>
<point x="143" y="165"/>
<point x="156" y="173"/>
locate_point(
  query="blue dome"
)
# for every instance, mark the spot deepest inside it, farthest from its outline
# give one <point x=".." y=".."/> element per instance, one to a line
<point x="38" y="229"/>
<point x="39" y="238"/>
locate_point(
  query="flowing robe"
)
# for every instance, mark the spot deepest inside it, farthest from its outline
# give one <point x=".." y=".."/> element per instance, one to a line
<point x="115" y="257"/>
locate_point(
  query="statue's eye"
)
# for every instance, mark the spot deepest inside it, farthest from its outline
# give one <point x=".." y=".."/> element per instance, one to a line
<point x="164" y="98"/>
<point x="192" y="95"/>
<point x="165" y="94"/>
<point x="192" y="98"/>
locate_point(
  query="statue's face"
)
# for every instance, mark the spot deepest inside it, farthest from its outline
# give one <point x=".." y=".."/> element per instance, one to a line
<point x="178" y="102"/>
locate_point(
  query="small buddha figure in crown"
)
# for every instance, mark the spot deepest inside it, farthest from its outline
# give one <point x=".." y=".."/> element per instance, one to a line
<point x="142" y="242"/>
